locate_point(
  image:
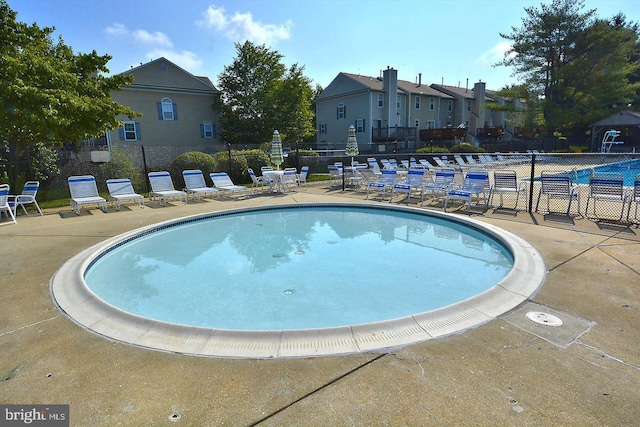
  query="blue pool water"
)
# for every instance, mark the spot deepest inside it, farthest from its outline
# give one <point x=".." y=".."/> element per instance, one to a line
<point x="298" y="268"/>
<point x="629" y="169"/>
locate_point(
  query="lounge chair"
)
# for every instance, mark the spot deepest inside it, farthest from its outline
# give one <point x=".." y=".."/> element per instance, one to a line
<point x="4" y="204"/>
<point x="373" y="165"/>
<point x="84" y="191"/>
<point x="121" y="190"/>
<point x="557" y="185"/>
<point x="441" y="163"/>
<point x="476" y="182"/>
<point x="258" y="181"/>
<point x="288" y="179"/>
<point x="222" y="182"/>
<point x="195" y="184"/>
<point x="439" y="185"/>
<point x="459" y="160"/>
<point x="162" y="188"/>
<point x="606" y="187"/>
<point x="27" y="197"/>
<point x="412" y="183"/>
<point x="506" y="182"/>
<point x="634" y="198"/>
<point x="301" y="178"/>
<point x="386" y="180"/>
<point x="335" y="174"/>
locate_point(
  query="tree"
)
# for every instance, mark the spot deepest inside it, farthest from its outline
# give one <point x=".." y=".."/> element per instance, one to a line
<point x="49" y="94"/>
<point x="576" y="65"/>
<point x="260" y="95"/>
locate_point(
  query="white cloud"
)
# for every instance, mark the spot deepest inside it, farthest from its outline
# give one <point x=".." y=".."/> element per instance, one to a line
<point x="189" y="61"/>
<point x="139" y="36"/>
<point x="496" y="53"/>
<point x="241" y="27"/>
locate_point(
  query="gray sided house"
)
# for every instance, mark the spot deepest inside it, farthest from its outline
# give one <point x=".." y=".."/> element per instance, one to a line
<point x="177" y="114"/>
<point x="391" y="114"/>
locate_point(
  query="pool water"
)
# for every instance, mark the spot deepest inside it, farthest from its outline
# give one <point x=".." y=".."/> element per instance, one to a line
<point x="298" y="268"/>
<point x="629" y="169"/>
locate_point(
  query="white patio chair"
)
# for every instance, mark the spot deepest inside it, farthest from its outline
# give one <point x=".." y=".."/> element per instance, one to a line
<point x="258" y="181"/>
<point x="606" y="187"/>
<point x="301" y="178"/>
<point x="557" y="185"/>
<point x="412" y="183"/>
<point x="386" y="180"/>
<point x="162" y="188"/>
<point x="476" y="182"/>
<point x="288" y="179"/>
<point x="506" y="182"/>
<point x="373" y="165"/>
<point x="222" y="182"/>
<point x="335" y="174"/>
<point x="4" y="204"/>
<point x="195" y="184"/>
<point x="27" y="197"/>
<point x="121" y="190"/>
<point x="84" y="191"/>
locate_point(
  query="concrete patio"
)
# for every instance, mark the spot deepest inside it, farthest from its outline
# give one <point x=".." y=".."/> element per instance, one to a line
<point x="507" y="372"/>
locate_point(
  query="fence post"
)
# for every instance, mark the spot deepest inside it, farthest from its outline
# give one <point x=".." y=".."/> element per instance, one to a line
<point x="533" y="174"/>
<point x="146" y="172"/>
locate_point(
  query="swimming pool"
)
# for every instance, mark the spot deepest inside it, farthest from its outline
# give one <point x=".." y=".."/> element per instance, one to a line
<point x="293" y="280"/>
<point x="628" y="168"/>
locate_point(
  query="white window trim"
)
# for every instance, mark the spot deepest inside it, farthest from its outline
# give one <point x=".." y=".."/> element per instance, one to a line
<point x="418" y="101"/>
<point x="167" y="109"/>
<point x="208" y="130"/>
<point x="131" y="131"/>
<point x="360" y="125"/>
<point x="380" y="100"/>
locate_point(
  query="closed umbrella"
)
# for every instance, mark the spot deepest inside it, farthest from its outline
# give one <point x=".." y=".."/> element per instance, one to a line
<point x="276" y="150"/>
<point x="352" y="144"/>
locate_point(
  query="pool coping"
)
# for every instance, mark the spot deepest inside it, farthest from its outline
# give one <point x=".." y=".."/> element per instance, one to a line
<point x="81" y="305"/>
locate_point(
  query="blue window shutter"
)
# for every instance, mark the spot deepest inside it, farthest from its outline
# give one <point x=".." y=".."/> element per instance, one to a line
<point x="121" y="134"/>
<point x="338" y="113"/>
<point x="363" y="128"/>
<point x="214" y="130"/>
<point x="344" y="111"/>
<point x="175" y="112"/>
<point x="138" y="134"/>
<point x="201" y="130"/>
<point x="160" y="117"/>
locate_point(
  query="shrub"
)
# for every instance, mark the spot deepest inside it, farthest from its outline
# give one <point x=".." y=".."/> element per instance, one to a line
<point x="191" y="160"/>
<point x="432" y="149"/>
<point x="255" y="159"/>
<point x="120" y="166"/>
<point x="237" y="170"/>
<point x="464" y="147"/>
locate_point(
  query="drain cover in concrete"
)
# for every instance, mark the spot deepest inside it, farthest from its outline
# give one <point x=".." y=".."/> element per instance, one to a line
<point x="551" y="325"/>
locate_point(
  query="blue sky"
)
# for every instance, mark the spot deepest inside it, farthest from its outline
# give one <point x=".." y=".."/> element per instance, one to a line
<point x="445" y="40"/>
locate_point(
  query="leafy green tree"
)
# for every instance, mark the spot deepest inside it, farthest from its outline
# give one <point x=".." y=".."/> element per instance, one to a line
<point x="260" y="95"/>
<point x="48" y="94"/>
<point x="578" y="67"/>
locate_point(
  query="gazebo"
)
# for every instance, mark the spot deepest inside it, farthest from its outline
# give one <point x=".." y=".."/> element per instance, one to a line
<point x="627" y="123"/>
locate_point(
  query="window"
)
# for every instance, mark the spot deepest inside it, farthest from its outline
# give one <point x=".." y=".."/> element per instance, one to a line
<point x="397" y="102"/>
<point x="130" y="131"/>
<point x="431" y="124"/>
<point x="449" y="105"/>
<point x="207" y="130"/>
<point x="360" y="125"/>
<point x="342" y="111"/>
<point x="417" y="123"/>
<point x="417" y="102"/>
<point x="381" y="100"/>
<point x="432" y="104"/>
<point x="323" y="128"/>
<point x="468" y="105"/>
<point x="167" y="109"/>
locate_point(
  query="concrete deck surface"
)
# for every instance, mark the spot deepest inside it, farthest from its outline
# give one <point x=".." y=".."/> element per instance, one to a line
<point x="507" y="372"/>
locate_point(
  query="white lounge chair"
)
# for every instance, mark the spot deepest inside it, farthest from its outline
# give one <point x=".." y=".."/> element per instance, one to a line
<point x="557" y="185"/>
<point x="606" y="187"/>
<point x="27" y="197"/>
<point x="506" y="182"/>
<point x="222" y="182"/>
<point x="84" y="191"/>
<point x="476" y="182"/>
<point x="4" y="204"/>
<point x="412" y="183"/>
<point x="162" y="188"/>
<point x="195" y="184"/>
<point x="439" y="185"/>
<point x="121" y="190"/>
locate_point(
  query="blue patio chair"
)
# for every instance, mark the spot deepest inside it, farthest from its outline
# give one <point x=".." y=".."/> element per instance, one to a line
<point x="439" y="185"/>
<point x="608" y="188"/>
<point x="476" y="182"/>
<point x="4" y="204"/>
<point x="386" y="180"/>
<point x="557" y="185"/>
<point x="27" y="197"/>
<point x="412" y="183"/>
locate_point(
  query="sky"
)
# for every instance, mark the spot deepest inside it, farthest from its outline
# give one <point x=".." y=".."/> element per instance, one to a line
<point x="446" y="41"/>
